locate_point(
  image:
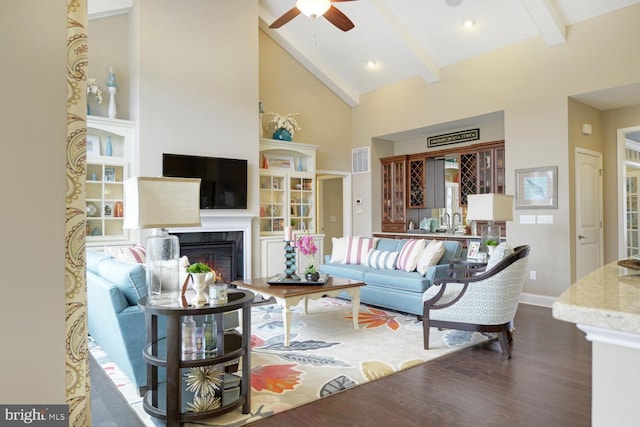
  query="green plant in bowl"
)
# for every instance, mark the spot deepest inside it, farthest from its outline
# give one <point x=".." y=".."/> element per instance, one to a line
<point x="198" y="267"/>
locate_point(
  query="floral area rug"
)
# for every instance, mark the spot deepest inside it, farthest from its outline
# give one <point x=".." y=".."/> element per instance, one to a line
<point x="327" y="355"/>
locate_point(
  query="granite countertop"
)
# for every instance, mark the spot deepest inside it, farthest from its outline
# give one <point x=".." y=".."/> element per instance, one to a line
<point x="608" y="297"/>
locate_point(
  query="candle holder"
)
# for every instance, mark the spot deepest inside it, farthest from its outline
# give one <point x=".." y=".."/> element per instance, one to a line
<point x="290" y="261"/>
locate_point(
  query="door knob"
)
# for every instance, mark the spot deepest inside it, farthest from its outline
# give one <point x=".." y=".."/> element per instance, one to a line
<point x="580" y="236"/>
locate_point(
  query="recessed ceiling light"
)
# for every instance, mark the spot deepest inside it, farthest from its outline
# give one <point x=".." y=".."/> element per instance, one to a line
<point x="372" y="63"/>
<point x="469" y="23"/>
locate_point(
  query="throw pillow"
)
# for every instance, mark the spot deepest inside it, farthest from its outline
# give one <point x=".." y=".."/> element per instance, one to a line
<point x="430" y="256"/>
<point x="338" y="250"/>
<point x="382" y="260"/>
<point x="357" y="249"/>
<point x="409" y="254"/>
<point x="501" y="251"/>
<point x="133" y="254"/>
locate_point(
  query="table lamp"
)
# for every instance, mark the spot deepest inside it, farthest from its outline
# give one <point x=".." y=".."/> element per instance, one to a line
<point x="489" y="207"/>
<point x="161" y="203"/>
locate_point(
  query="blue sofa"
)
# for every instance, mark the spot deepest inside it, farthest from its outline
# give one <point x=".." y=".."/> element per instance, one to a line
<point x="394" y="289"/>
<point x="116" y="322"/>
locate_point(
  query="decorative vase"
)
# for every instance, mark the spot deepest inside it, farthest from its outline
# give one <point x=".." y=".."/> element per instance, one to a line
<point x="282" y="134"/>
<point x="300" y="165"/>
<point x="109" y="148"/>
<point x="199" y="285"/>
<point x="312" y="277"/>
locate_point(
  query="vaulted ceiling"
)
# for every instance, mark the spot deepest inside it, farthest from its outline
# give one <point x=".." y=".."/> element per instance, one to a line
<point x="402" y="39"/>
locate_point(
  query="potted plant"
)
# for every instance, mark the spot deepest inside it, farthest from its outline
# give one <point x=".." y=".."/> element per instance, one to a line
<point x="199" y="273"/>
<point x="284" y="127"/>
<point x="308" y="248"/>
<point x="491" y="245"/>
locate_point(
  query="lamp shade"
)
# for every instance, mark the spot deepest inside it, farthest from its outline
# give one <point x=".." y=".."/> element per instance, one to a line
<point x="489" y="207"/>
<point x="161" y="202"/>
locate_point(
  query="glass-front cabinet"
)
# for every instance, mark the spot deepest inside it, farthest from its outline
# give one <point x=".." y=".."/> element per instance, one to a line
<point x="393" y="194"/>
<point x="632" y="214"/>
<point x="109" y="157"/>
<point x="287" y="198"/>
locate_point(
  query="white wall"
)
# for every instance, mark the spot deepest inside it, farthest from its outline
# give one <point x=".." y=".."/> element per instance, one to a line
<point x="531" y="83"/>
<point x="33" y="116"/>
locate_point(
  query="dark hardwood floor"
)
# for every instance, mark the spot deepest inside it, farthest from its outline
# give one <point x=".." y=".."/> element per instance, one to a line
<point x="546" y="383"/>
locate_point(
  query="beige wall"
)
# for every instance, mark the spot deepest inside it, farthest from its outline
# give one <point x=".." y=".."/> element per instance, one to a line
<point x="531" y="83"/>
<point x="33" y="117"/>
<point x="109" y="46"/>
<point x="287" y="87"/>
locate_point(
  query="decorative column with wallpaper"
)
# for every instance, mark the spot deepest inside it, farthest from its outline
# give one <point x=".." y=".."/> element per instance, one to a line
<point x="287" y="199"/>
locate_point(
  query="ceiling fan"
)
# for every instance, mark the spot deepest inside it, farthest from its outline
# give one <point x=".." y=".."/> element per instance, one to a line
<point x="315" y="8"/>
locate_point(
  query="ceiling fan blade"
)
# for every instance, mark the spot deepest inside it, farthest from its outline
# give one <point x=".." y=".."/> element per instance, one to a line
<point x="338" y="19"/>
<point x="288" y="16"/>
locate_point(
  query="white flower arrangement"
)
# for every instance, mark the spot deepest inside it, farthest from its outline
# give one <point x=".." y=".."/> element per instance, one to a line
<point x="93" y="89"/>
<point x="287" y="122"/>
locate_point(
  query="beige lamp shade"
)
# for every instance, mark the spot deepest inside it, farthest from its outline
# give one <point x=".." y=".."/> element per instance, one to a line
<point x="161" y="202"/>
<point x="489" y="207"/>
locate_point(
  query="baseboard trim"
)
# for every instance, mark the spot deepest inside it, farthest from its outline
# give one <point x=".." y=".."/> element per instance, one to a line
<point x="535" y="299"/>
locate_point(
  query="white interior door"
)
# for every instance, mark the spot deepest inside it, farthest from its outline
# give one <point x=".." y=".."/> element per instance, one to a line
<point x="589" y="235"/>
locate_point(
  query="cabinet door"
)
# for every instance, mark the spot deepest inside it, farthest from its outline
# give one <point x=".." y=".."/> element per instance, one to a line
<point x="435" y="183"/>
<point x="273" y="203"/>
<point x="467" y="176"/>
<point x="393" y="194"/>
<point x="484" y="172"/>
<point x="417" y="183"/>
<point x="399" y="186"/>
<point x="301" y="205"/>
<point x="632" y="216"/>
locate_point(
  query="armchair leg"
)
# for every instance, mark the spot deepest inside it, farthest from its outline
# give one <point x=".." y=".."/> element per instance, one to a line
<point x="425" y="331"/>
<point x="504" y="342"/>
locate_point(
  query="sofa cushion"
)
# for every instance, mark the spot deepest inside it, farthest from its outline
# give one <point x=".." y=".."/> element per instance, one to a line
<point x="129" y="278"/>
<point x="348" y="271"/>
<point x="338" y="249"/>
<point x="430" y="256"/>
<point x="94" y="258"/>
<point x="133" y="254"/>
<point x="381" y="259"/>
<point x="397" y="279"/>
<point x="357" y="249"/>
<point x="393" y="245"/>
<point x="409" y="254"/>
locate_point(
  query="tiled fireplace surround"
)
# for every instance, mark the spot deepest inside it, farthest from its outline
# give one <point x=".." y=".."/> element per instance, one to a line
<point x="216" y="240"/>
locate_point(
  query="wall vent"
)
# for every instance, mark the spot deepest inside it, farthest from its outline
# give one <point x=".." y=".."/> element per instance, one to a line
<point x="360" y="160"/>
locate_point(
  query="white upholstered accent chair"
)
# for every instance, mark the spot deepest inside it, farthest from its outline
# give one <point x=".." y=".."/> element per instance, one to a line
<point x="484" y="302"/>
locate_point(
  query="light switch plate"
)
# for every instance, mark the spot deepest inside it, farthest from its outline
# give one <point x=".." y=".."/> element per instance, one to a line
<point x="527" y="219"/>
<point x="545" y="219"/>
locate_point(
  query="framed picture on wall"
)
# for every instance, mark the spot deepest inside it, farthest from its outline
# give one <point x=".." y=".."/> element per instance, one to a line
<point x="537" y="188"/>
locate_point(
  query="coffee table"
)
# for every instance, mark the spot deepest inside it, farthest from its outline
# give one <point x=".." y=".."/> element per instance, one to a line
<point x="290" y="295"/>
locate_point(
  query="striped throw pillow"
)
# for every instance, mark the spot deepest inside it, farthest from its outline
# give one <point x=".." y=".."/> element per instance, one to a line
<point x="357" y="249"/>
<point x="409" y="255"/>
<point x="133" y="254"/>
<point x="382" y="260"/>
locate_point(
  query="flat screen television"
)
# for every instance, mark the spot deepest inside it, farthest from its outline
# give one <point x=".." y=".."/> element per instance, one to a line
<point x="224" y="181"/>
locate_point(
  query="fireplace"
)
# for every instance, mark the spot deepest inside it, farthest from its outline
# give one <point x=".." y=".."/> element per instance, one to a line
<point x="221" y="250"/>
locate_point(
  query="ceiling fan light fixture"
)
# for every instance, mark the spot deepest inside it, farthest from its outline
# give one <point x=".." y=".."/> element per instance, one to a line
<point x="469" y="23"/>
<point x="313" y="8"/>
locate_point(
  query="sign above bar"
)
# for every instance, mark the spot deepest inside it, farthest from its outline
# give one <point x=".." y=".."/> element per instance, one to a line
<point x="453" y="138"/>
